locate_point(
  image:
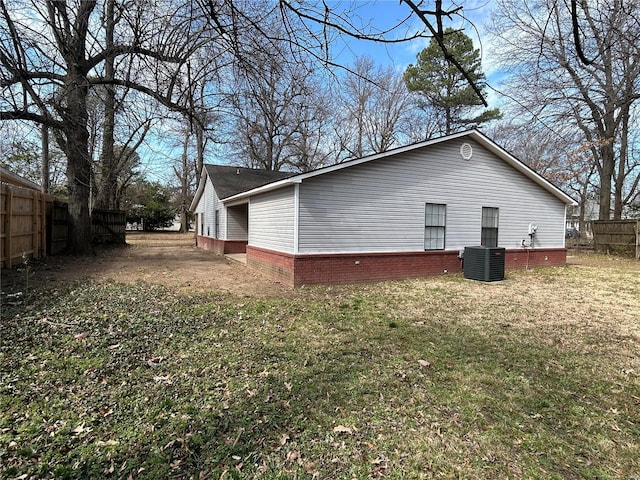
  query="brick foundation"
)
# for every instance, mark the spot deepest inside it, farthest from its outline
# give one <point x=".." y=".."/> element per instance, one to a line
<point x="536" y="257"/>
<point x="296" y="270"/>
<point x="220" y="247"/>
<point x="277" y="265"/>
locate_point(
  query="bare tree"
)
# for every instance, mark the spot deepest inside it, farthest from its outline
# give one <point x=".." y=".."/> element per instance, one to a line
<point x="313" y="117"/>
<point x="560" y="159"/>
<point x="357" y="91"/>
<point x="109" y="173"/>
<point x="378" y="110"/>
<point x="53" y="54"/>
<point x="276" y="105"/>
<point x="592" y="86"/>
<point x="185" y="173"/>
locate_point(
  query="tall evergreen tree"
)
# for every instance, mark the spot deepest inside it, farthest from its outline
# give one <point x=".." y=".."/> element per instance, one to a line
<point x="443" y="89"/>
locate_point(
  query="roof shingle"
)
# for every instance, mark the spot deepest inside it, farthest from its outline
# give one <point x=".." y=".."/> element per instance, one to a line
<point x="229" y="181"/>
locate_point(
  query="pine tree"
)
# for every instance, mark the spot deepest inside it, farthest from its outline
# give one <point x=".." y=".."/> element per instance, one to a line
<point x="442" y="88"/>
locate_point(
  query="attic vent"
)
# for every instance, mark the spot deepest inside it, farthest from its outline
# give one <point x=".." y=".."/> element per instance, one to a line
<point x="466" y="151"/>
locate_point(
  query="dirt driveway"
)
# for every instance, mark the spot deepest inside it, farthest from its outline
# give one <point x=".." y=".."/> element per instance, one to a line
<point x="167" y="258"/>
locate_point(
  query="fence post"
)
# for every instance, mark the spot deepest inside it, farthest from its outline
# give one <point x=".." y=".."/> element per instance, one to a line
<point x="7" y="227"/>
<point x="43" y="225"/>
<point x="34" y="223"/>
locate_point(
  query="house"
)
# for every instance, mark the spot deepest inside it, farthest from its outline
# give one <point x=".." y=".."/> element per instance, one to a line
<point x="220" y="226"/>
<point x="407" y="212"/>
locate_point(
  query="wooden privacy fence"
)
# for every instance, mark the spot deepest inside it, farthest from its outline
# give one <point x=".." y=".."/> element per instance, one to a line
<point x="33" y="224"/>
<point x="617" y="236"/>
<point x="108" y="226"/>
<point x="57" y="227"/>
<point x="23" y="223"/>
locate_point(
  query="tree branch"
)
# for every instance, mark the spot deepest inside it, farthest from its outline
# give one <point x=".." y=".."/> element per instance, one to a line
<point x="30" y="116"/>
<point x="438" y="34"/>
<point x="576" y="34"/>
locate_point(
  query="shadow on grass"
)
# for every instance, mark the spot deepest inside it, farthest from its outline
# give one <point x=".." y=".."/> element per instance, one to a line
<point x="160" y="385"/>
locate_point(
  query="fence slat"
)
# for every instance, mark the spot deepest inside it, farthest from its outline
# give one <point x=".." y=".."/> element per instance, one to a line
<point x="34" y="224"/>
<point x="23" y="228"/>
<point x="108" y="226"/>
<point x="617" y="235"/>
<point x="8" y="247"/>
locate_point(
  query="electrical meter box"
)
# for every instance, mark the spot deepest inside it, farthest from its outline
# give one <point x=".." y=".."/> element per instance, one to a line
<point x="485" y="264"/>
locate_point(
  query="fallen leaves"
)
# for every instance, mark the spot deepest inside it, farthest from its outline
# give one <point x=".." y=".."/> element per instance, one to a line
<point x="342" y="429"/>
<point x="300" y="387"/>
<point x="81" y="429"/>
<point x="105" y="411"/>
<point x="108" y="443"/>
<point x="154" y="361"/>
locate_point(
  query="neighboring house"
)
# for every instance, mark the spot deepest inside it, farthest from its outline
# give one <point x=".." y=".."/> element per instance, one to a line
<point x="591" y="213"/>
<point x="407" y="212"/>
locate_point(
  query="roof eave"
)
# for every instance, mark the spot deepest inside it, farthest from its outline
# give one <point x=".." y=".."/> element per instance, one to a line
<point x="263" y="189"/>
<point x="475" y="134"/>
<point x="339" y="166"/>
<point x="522" y="168"/>
<point x="15" y="179"/>
<point x="200" y="190"/>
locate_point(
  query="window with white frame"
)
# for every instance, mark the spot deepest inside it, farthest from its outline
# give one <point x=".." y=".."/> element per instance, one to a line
<point x="489" y="233"/>
<point x="435" y="218"/>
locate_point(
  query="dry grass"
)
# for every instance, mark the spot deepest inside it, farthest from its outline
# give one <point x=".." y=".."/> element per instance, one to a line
<point x="533" y="377"/>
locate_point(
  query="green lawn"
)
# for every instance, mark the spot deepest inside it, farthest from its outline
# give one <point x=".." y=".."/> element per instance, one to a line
<point x="534" y="377"/>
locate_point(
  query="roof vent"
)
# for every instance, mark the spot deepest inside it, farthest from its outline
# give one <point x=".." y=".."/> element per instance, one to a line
<point x="466" y="151"/>
<point x="237" y="171"/>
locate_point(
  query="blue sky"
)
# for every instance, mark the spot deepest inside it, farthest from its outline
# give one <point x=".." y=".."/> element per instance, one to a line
<point x="386" y="13"/>
<point x="381" y="14"/>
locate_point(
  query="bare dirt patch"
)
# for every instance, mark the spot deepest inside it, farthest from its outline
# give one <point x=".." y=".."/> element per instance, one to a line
<point x="170" y="259"/>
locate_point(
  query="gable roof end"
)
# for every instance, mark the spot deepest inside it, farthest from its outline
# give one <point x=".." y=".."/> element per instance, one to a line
<point x="229" y="181"/>
<point x="475" y="135"/>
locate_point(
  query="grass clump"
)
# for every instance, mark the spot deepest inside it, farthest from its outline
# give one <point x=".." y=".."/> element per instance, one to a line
<point x="439" y="377"/>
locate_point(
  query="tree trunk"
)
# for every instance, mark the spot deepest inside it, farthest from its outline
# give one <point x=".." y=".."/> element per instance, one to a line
<point x="108" y="185"/>
<point x="620" y="176"/>
<point x="76" y="148"/>
<point x="184" y="188"/>
<point x="78" y="174"/>
<point x="606" y="175"/>
<point x="200" y="147"/>
<point x="45" y="159"/>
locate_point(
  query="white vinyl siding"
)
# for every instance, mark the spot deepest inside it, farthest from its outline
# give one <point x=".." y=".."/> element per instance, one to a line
<point x="379" y="206"/>
<point x="237" y="222"/>
<point x="272" y="219"/>
<point x="206" y="209"/>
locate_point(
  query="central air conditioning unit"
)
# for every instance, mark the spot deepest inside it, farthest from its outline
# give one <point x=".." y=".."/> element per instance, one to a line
<point x="485" y="264"/>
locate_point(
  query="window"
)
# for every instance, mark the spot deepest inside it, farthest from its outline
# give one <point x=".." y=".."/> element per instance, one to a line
<point x="434" y="226"/>
<point x="489" y="234"/>
<point x="217" y="225"/>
